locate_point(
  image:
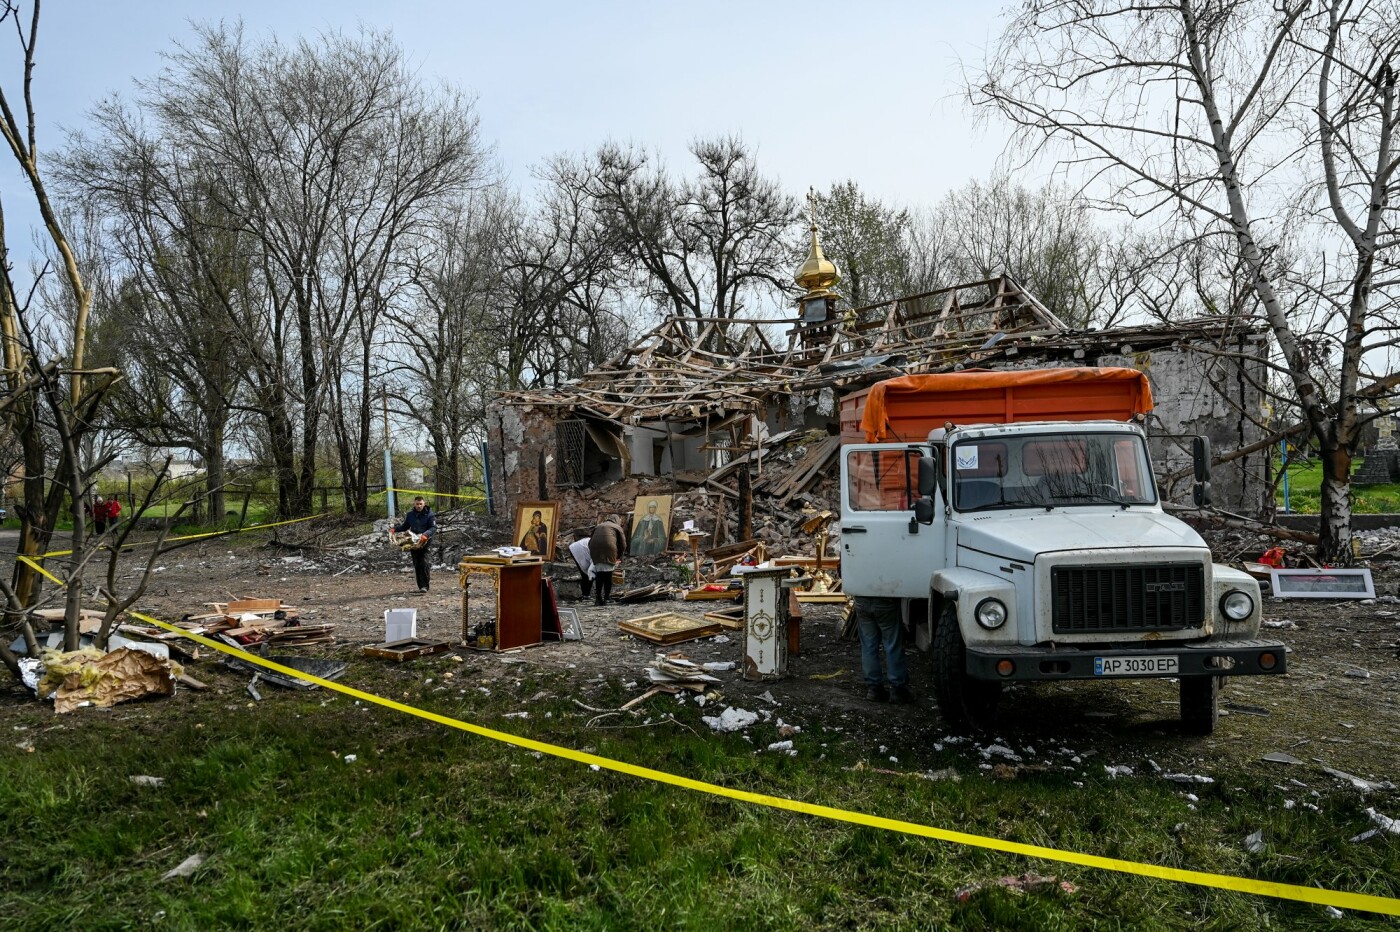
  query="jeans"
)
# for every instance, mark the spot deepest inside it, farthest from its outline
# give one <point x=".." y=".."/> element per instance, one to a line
<point x="420" y="566"/>
<point x="879" y="623"/>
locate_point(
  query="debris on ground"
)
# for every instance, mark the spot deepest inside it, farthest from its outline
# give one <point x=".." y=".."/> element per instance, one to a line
<point x="89" y="677"/>
<point x="1188" y="778"/>
<point x="245" y="622"/>
<point x="948" y="774"/>
<point x="679" y="671"/>
<point x="1384" y="824"/>
<point x="1026" y="883"/>
<point x="731" y="719"/>
<point x="321" y="669"/>
<point x="405" y="649"/>
<point x="1254" y="842"/>
<point x="186" y="867"/>
<point x="1361" y="783"/>
<point x="669" y="628"/>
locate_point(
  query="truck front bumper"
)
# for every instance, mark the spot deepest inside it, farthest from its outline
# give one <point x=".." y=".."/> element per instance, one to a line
<point x="1251" y="657"/>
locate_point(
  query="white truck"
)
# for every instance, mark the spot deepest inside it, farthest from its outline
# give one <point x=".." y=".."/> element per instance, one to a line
<point x="1015" y="517"/>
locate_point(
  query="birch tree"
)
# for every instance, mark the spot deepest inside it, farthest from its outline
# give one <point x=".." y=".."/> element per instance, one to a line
<point x="1250" y="124"/>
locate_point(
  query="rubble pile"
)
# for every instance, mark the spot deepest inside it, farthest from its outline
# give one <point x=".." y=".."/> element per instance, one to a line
<point x="246" y="622"/>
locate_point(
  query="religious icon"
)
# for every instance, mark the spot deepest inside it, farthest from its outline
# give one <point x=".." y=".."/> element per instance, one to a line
<point x="535" y="527"/>
<point x="650" y="519"/>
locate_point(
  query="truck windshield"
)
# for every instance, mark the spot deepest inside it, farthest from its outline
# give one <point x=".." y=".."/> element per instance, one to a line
<point x="1051" y="470"/>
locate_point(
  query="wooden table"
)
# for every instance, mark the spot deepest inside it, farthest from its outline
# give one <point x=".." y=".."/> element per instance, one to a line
<point x="516" y="589"/>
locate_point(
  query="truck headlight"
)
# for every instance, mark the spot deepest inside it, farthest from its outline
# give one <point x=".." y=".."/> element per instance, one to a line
<point x="990" y="614"/>
<point x="1237" y="605"/>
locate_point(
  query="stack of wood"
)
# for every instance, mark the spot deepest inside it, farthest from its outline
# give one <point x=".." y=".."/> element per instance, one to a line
<point x="245" y="622"/>
<point x="783" y="484"/>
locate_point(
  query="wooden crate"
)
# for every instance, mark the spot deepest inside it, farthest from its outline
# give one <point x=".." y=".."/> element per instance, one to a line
<point x="407" y="649"/>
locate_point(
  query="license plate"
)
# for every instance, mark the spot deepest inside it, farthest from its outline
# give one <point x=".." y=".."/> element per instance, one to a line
<point x="1135" y="666"/>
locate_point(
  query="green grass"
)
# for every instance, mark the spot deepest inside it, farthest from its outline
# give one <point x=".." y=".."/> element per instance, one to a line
<point x="432" y="828"/>
<point x="1305" y="496"/>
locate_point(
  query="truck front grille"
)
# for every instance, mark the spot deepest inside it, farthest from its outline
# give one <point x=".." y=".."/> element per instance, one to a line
<point x="1111" y="599"/>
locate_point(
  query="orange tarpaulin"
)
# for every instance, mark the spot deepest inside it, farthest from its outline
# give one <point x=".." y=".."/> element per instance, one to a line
<point x="902" y="408"/>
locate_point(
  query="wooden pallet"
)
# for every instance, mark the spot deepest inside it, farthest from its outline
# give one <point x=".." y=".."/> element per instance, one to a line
<point x="406" y="649"/>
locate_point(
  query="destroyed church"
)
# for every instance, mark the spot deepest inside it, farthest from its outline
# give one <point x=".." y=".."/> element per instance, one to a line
<point x="732" y="415"/>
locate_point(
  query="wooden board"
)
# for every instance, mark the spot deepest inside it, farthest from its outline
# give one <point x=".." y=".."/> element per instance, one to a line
<point x="730" y="618"/>
<point x="551" y="628"/>
<point x="831" y="598"/>
<point x="406" y="649"/>
<point x="496" y="558"/>
<point x="669" y="628"/>
<point x="707" y="595"/>
<point x="254" y="605"/>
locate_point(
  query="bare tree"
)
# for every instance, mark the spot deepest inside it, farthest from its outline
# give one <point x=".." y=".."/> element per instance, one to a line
<point x="1251" y="124"/>
<point x="52" y="405"/>
<point x="284" y="181"/>
<point x="710" y="246"/>
<point x="446" y="333"/>
<point x="174" y="270"/>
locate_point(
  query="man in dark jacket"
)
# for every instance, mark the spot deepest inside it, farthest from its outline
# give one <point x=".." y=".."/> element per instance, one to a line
<point x="606" y="547"/>
<point x="420" y="522"/>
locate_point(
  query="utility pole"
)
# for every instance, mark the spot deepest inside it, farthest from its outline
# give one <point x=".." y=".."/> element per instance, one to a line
<point x="388" y="463"/>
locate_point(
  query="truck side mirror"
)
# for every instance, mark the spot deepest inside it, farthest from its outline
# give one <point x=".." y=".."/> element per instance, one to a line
<point x="1200" y="494"/>
<point x="923" y="510"/>
<point x="928" y="477"/>
<point x="1200" y="458"/>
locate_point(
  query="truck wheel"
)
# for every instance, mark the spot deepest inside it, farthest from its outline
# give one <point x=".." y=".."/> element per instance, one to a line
<point x="964" y="701"/>
<point x="1200" y="704"/>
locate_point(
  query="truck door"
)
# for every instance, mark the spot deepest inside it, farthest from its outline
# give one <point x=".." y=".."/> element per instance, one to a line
<point x="880" y="555"/>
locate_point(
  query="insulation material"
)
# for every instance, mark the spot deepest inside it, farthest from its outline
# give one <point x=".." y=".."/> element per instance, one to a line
<point x="93" y="678"/>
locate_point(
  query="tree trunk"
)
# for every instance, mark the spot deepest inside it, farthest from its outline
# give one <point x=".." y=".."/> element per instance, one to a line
<point x="1334" y="544"/>
<point x="214" y="470"/>
<point x="365" y="422"/>
<point x="280" y="438"/>
<point x="447" y="475"/>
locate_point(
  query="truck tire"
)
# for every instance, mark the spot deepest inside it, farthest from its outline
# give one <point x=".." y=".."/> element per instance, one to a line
<point x="1200" y="704"/>
<point x="964" y="701"/>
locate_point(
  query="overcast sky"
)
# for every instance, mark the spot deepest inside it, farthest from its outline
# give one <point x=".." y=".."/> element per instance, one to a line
<point x="824" y="91"/>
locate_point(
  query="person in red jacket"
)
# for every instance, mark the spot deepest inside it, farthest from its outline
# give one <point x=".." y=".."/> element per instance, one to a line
<point x="114" y="510"/>
<point x="105" y="512"/>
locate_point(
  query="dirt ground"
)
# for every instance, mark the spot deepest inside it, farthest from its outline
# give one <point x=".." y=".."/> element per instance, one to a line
<point x="1338" y="706"/>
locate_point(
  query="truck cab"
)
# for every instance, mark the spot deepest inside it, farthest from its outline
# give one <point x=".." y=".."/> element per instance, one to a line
<point x="1039" y="550"/>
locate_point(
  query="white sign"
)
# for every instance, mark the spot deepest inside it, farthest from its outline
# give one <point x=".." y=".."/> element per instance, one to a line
<point x="967" y="458"/>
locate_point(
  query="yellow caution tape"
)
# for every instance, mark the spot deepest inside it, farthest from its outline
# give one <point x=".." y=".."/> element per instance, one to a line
<point x="38" y="568"/>
<point x="241" y="530"/>
<point x="428" y="492"/>
<point x="1286" y="891"/>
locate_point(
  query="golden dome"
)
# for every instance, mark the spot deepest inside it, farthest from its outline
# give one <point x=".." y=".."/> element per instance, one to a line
<point x="818" y="273"/>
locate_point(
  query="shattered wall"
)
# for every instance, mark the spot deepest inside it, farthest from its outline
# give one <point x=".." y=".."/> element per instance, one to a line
<point x="1196" y="391"/>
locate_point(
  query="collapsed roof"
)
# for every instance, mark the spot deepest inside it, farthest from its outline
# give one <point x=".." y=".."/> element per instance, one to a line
<point x="698" y="368"/>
